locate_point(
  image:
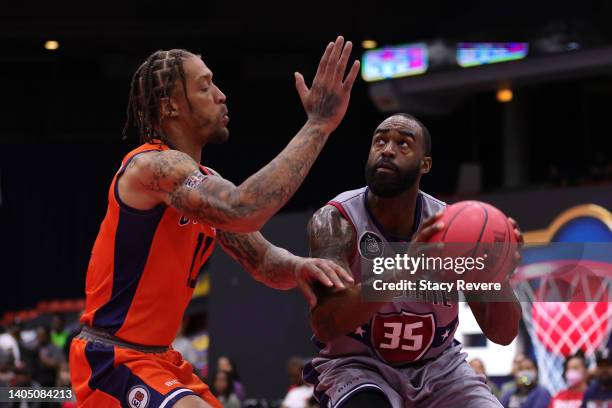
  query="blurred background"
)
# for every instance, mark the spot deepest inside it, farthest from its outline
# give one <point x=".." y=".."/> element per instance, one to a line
<point x="517" y="98"/>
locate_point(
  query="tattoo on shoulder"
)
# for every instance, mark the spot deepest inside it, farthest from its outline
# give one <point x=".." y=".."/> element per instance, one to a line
<point x="331" y="236"/>
<point x="163" y="169"/>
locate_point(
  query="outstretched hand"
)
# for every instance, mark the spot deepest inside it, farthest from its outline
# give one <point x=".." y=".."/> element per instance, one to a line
<point x="309" y="271"/>
<point x="327" y="99"/>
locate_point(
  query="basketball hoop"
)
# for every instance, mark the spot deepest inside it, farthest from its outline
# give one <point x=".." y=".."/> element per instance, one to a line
<point x="566" y="307"/>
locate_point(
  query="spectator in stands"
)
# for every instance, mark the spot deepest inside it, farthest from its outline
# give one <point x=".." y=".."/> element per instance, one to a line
<point x="7" y="374"/>
<point x="59" y="334"/>
<point x="49" y="359"/>
<point x="575" y="375"/>
<point x="23" y="378"/>
<point x="223" y="388"/>
<point x="225" y="364"/>
<point x="299" y="392"/>
<point x="528" y="394"/>
<point x="479" y="368"/>
<point x="9" y="343"/>
<point x="510" y="386"/>
<point x="599" y="392"/>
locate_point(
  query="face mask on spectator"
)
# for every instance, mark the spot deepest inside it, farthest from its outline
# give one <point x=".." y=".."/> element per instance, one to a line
<point x="573" y="377"/>
<point x="526" y="377"/>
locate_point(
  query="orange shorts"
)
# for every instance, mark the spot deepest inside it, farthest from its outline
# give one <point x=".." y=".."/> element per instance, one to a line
<point x="112" y="376"/>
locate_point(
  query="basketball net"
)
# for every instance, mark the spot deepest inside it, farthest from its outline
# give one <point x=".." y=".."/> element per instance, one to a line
<point x="566" y="307"/>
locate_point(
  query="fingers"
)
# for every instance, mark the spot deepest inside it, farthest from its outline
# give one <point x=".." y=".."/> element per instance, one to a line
<point x="350" y="78"/>
<point x="426" y="233"/>
<point x="332" y="275"/>
<point x="519" y="236"/>
<point x="308" y="293"/>
<point x="432" y="220"/>
<point x="316" y="273"/>
<point x="426" y="227"/>
<point x="341" y="65"/>
<point x="323" y="63"/>
<point x="327" y="272"/>
<point x="300" y="86"/>
<point x="517" y="231"/>
<point x="513" y="222"/>
<point x="343" y="273"/>
<point x="332" y="63"/>
<point x="332" y="268"/>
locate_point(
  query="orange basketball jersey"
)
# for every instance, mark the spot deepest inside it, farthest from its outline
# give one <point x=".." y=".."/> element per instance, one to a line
<point x="143" y="267"/>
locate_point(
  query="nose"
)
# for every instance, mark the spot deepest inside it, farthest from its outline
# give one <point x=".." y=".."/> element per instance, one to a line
<point x="388" y="150"/>
<point x="220" y="96"/>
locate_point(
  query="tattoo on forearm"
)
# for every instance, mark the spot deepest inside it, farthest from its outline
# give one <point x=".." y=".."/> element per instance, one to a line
<point x="268" y="264"/>
<point x="218" y="201"/>
<point x="278" y="181"/>
<point x="241" y="247"/>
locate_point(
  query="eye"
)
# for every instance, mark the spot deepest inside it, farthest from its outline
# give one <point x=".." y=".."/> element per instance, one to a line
<point x="379" y="142"/>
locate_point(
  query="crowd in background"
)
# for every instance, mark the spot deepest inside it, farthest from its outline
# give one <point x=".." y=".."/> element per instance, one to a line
<point x="586" y="387"/>
<point x="38" y="357"/>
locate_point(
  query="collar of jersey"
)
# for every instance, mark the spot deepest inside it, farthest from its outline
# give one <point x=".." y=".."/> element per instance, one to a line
<point x="390" y="237"/>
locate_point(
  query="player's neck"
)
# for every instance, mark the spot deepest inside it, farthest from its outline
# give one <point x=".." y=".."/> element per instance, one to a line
<point x="193" y="149"/>
<point x="395" y="214"/>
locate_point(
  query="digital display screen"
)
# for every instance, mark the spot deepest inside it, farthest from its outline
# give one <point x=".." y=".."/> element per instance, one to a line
<point x="394" y="62"/>
<point x="474" y="54"/>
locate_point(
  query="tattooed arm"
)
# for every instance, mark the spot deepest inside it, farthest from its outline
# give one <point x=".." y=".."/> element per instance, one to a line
<point x="279" y="268"/>
<point x="173" y="178"/>
<point x="331" y="236"/>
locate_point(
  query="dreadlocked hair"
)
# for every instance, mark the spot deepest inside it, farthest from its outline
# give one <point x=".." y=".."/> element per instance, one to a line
<point x="154" y="80"/>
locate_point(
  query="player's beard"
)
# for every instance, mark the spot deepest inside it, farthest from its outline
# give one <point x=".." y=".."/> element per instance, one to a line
<point x="219" y="136"/>
<point x="391" y="185"/>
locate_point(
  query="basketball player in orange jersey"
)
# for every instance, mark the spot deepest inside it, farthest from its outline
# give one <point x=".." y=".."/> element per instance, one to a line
<point x="396" y="354"/>
<point x="164" y="215"/>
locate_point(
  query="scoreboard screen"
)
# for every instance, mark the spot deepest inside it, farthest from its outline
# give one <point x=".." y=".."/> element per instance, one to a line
<point x="473" y="54"/>
<point x="394" y="62"/>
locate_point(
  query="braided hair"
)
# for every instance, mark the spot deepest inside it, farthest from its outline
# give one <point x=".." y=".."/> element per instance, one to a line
<point x="152" y="81"/>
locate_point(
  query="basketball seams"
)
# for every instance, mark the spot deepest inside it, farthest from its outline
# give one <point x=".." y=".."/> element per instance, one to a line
<point x="450" y="222"/>
<point x="482" y="229"/>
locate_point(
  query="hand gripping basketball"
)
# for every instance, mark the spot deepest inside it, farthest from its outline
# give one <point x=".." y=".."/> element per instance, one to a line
<point x="480" y="231"/>
<point x="420" y="239"/>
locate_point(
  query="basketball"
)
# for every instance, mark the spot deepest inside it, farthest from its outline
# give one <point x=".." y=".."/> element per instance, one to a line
<point x="477" y="229"/>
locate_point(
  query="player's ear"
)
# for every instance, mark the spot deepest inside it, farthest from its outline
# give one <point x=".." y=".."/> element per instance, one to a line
<point x="425" y="165"/>
<point x="168" y="108"/>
